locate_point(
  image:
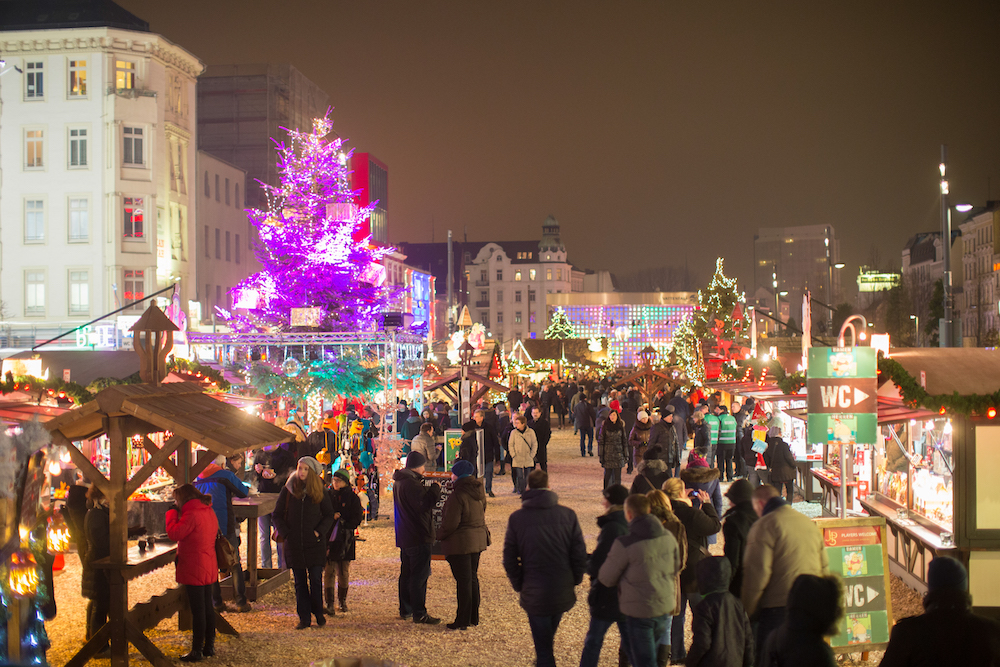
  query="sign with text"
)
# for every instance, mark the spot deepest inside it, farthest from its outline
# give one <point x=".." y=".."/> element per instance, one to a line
<point x="841" y="387"/>
<point x="857" y="553"/>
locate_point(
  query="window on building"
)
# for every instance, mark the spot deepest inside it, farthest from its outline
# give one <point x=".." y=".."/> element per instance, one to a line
<point x="34" y="221"/>
<point x="133" y="218"/>
<point x="218" y="243"/>
<point x="228" y="248"/>
<point x="484" y="295"/>
<point x="79" y="219"/>
<point x="559" y="274"/>
<point x="532" y="273"/>
<point x="227" y="192"/>
<point x="34" y="148"/>
<point x="517" y="296"/>
<point x="34" y="292"/>
<point x="78" y="147"/>
<point x="517" y="335"/>
<point x="236" y="246"/>
<point x="499" y="318"/>
<point x="499" y="296"/>
<point x="531" y="317"/>
<point x="218" y="295"/>
<point x="517" y="317"/>
<point x="132" y="146"/>
<point x="499" y="274"/>
<point x="124" y="75"/>
<point x="217" y="196"/>
<point x="236" y="192"/>
<point x="548" y="274"/>
<point x="482" y="276"/>
<point x="134" y="285"/>
<point x="34" y="80"/>
<point x="517" y="275"/>
<point x="484" y="317"/>
<point x="206" y="241"/>
<point x="207" y="189"/>
<point x="531" y="295"/>
<point x="77" y="78"/>
<point x="79" y="293"/>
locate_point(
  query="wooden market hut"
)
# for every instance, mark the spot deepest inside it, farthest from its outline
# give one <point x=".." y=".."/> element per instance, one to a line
<point x="185" y="415"/>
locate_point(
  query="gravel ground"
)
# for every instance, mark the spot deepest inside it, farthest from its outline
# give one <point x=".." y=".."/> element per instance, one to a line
<point x="268" y="637"/>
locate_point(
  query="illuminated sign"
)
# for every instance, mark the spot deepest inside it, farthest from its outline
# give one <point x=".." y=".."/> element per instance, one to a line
<point x="877" y="282"/>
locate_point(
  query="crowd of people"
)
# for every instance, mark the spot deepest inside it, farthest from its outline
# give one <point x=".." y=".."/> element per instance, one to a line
<point x="768" y="601"/>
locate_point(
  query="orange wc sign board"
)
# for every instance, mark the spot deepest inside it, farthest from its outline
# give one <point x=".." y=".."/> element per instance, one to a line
<point x="857" y="553"/>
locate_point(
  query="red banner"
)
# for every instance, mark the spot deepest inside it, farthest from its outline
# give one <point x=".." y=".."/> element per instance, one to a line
<point x="853" y="536"/>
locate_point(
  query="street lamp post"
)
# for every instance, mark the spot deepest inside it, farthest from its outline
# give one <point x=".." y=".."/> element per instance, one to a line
<point x="916" y="330"/>
<point x="465" y="352"/>
<point x="944" y="337"/>
<point x="774" y="284"/>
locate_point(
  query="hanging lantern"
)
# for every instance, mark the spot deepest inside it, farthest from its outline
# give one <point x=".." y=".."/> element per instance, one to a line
<point x="58" y="535"/>
<point x="23" y="579"/>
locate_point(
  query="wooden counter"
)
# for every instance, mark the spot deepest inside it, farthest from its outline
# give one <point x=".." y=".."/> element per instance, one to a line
<point x="830" y="492"/>
<point x="259" y="581"/>
<point x="911" y="545"/>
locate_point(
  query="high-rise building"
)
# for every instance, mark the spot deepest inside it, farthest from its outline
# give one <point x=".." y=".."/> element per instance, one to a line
<point x="799" y="259"/>
<point x="242" y="107"/>
<point x="98" y="139"/>
<point x="370" y="179"/>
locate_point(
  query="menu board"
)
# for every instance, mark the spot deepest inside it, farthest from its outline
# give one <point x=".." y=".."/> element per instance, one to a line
<point x="857" y="553"/>
<point x="452" y="441"/>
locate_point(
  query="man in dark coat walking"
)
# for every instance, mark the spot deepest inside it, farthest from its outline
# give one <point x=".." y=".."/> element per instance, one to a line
<point x="543" y="433"/>
<point x="584" y="417"/>
<point x="663" y="435"/>
<point x="736" y="523"/>
<point x="947" y="633"/>
<point x="489" y="445"/>
<point x="545" y="558"/>
<point x="413" y="503"/>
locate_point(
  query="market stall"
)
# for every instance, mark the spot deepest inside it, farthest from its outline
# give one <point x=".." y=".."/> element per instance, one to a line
<point x="935" y="463"/>
<point x="182" y="415"/>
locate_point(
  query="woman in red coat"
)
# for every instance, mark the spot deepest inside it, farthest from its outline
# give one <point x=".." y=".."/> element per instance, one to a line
<point x="192" y="524"/>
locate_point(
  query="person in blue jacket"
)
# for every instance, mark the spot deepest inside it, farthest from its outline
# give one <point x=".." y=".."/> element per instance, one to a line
<point x="221" y="484"/>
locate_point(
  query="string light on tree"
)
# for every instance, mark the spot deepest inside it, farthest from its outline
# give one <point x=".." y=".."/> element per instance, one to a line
<point x="560" y="326"/>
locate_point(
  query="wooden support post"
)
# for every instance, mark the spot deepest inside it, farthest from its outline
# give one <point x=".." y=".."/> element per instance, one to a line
<point x="183" y="475"/>
<point x="119" y="541"/>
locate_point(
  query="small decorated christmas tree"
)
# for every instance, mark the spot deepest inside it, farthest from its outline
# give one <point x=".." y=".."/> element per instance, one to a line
<point x="721" y="312"/>
<point x="560" y="326"/>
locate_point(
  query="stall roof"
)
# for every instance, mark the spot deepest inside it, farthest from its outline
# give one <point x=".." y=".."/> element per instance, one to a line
<point x="962" y="370"/>
<point x="180" y="407"/>
<point x="85" y="366"/>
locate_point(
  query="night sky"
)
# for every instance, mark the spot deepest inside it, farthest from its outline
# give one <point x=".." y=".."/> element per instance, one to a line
<point x="657" y="132"/>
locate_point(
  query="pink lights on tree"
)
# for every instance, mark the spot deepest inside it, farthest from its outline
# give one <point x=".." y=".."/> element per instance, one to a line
<point x="307" y="247"/>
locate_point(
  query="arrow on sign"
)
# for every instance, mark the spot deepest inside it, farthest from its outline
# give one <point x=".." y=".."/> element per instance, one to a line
<point x="872" y="594"/>
<point x="859" y="395"/>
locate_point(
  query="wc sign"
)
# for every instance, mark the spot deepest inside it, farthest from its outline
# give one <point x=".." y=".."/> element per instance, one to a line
<point x="836" y="395"/>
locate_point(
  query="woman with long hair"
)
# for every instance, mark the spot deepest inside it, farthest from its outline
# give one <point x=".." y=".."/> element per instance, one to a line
<point x="464" y="537"/>
<point x="303" y="517"/>
<point x="192" y="524"/>
<point x="660" y="507"/>
<point x="612" y="448"/>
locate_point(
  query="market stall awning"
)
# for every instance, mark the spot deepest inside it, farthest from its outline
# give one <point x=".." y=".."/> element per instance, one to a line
<point x="15" y="411"/>
<point x="181" y="408"/>
<point x="84" y="366"/>
<point x="454" y="377"/>
<point x="950" y="370"/>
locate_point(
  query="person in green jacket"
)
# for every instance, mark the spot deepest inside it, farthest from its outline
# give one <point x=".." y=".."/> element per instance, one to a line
<point x="714" y="426"/>
<point x="727" y="444"/>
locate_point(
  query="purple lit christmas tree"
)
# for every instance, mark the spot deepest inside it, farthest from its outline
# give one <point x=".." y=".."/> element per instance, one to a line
<point x="311" y="246"/>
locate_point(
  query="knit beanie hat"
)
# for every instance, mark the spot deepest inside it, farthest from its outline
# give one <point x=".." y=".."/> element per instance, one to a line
<point x="463" y="468"/>
<point x="740" y="491"/>
<point x="642" y="414"/>
<point x="344" y="475"/>
<point x="313" y="464"/>
<point x="415" y="460"/>
<point x="946" y="572"/>
<point x="616" y="494"/>
<point x="696" y="461"/>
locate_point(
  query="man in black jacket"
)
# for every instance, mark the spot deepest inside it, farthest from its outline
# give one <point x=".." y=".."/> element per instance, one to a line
<point x="489" y="445"/>
<point x="545" y="558"/>
<point x="543" y="433"/>
<point x="413" y="502"/>
<point x="664" y="435"/>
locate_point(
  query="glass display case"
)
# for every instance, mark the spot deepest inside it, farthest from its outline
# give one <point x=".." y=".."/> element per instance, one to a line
<point x="913" y="471"/>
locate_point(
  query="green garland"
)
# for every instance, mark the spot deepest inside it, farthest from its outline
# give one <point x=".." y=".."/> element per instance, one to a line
<point x="917" y="397"/>
<point x="342" y="377"/>
<point x="789" y="383"/>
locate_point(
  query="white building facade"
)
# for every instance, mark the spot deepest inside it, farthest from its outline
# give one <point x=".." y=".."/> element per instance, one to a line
<point x="981" y="269"/>
<point x="509" y="281"/>
<point x="97" y="151"/>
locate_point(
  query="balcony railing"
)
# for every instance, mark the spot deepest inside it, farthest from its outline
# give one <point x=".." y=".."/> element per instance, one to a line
<point x="482" y="304"/>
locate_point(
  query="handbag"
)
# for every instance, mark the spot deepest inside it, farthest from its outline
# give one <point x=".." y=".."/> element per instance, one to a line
<point x="225" y="554"/>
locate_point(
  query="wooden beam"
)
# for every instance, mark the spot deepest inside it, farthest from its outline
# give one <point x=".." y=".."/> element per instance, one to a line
<point x="449" y="392"/>
<point x="153" y="450"/>
<point x="91" y="648"/>
<point x="146" y="647"/>
<point x="80" y="460"/>
<point x="158" y="458"/>
<point x="118" y="449"/>
<point x="204" y="459"/>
